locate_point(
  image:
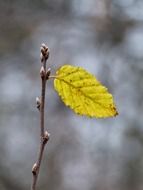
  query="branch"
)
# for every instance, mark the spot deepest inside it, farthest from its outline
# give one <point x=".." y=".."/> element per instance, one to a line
<point x="44" y="135"/>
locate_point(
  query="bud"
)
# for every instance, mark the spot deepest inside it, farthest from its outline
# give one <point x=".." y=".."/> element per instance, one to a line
<point x="42" y="72"/>
<point x="48" y="73"/>
<point x="45" y="52"/>
<point x="38" y="103"/>
<point x="43" y="46"/>
<point x="34" y="169"/>
<point x="46" y="137"/>
<point x="38" y="100"/>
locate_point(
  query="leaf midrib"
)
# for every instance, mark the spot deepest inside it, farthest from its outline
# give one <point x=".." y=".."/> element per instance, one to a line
<point x="61" y="79"/>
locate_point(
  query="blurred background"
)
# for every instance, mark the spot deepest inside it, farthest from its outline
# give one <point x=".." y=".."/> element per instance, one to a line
<point x="106" y="38"/>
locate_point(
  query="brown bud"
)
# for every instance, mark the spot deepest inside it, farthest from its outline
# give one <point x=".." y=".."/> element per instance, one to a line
<point x="45" y="52"/>
<point x="43" y="46"/>
<point x="48" y="73"/>
<point x="46" y="137"/>
<point x="34" y="169"/>
<point x="47" y="55"/>
<point x="38" y="103"/>
<point x="42" y="72"/>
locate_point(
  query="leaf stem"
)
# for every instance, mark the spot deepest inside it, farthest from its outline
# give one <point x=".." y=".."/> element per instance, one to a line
<point x="53" y="76"/>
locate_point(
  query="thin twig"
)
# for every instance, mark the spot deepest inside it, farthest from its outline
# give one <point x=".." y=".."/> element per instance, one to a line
<point x="44" y="135"/>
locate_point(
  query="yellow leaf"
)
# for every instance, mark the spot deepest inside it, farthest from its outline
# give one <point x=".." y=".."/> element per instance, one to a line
<point x="83" y="92"/>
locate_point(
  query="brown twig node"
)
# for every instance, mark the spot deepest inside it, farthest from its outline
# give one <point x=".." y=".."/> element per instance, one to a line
<point x="38" y="103"/>
<point x="48" y="73"/>
<point x="44" y="135"/>
<point x="34" y="169"/>
<point x="42" y="72"/>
